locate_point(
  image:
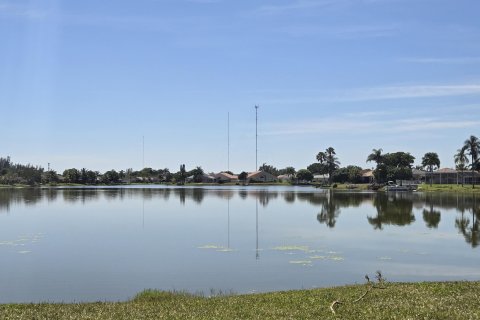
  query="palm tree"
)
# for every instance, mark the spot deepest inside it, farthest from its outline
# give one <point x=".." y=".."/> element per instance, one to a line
<point x="430" y="160"/>
<point x="461" y="160"/>
<point x="330" y="160"/>
<point x="376" y="156"/>
<point x="472" y="145"/>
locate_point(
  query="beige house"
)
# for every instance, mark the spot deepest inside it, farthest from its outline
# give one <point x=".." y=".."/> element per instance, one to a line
<point x="224" y="177"/>
<point x="367" y="176"/>
<point x="261" y="176"/>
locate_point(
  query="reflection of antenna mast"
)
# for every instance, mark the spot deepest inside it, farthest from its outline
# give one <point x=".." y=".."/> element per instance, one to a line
<point x="228" y="224"/>
<point x="257" y="256"/>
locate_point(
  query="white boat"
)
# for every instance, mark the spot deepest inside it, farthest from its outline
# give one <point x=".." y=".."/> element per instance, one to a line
<point x="391" y="186"/>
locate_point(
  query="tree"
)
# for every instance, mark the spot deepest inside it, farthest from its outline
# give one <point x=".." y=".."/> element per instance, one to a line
<point x="472" y="145"/>
<point x="317" y="168"/>
<point x="394" y="166"/>
<point x="71" y="175"/>
<point x="304" y="175"/>
<point x="182" y="173"/>
<point x="330" y="160"/>
<point x="461" y="160"/>
<point x="243" y="176"/>
<point x="376" y="156"/>
<point x="430" y="160"/>
<point x="197" y="174"/>
<point x="287" y="171"/>
<point x="110" y="177"/>
<point x="268" y="168"/>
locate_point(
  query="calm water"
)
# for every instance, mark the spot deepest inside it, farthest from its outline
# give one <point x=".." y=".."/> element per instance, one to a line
<point x="110" y="243"/>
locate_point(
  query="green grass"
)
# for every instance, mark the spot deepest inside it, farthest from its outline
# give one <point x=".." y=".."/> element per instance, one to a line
<point x="448" y="188"/>
<point x="439" y="300"/>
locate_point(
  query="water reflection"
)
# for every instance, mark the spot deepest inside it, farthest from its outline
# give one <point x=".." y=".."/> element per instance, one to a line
<point x="469" y="231"/>
<point x="396" y="209"/>
<point x="381" y="209"/>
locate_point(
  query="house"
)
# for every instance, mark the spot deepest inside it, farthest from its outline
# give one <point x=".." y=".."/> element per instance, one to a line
<point x="321" y="178"/>
<point x="367" y="176"/>
<point x="451" y="176"/>
<point x="225" y="177"/>
<point x="205" y="178"/>
<point x="418" y="175"/>
<point x="286" y="177"/>
<point x="261" y="176"/>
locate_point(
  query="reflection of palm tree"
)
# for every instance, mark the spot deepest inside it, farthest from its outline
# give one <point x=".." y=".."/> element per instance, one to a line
<point x="431" y="217"/>
<point x="330" y="211"/>
<point x="470" y="233"/>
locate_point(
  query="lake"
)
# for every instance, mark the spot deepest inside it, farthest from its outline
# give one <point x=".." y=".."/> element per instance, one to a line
<point x="109" y="243"/>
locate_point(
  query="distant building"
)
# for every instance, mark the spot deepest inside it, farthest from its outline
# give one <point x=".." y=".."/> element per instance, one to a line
<point x="321" y="178"/>
<point x="205" y="178"/>
<point x="367" y="176"/>
<point x="286" y="177"/>
<point x="261" y="176"/>
<point x="225" y="177"/>
<point x="452" y="176"/>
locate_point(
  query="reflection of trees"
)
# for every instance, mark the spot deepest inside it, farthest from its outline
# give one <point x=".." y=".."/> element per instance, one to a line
<point x="471" y="233"/>
<point x="330" y="211"/>
<point x="289" y="196"/>
<point x="430" y="216"/>
<point x="393" y="209"/>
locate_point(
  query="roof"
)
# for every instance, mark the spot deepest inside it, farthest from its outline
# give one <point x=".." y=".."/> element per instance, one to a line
<point x="367" y="173"/>
<point x="254" y="173"/>
<point x="445" y="170"/>
<point x="226" y="175"/>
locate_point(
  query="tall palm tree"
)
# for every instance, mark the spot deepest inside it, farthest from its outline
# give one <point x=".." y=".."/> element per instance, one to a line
<point x="330" y="160"/>
<point x="376" y="156"/>
<point x="461" y="160"/>
<point x="472" y="145"/>
<point x="431" y="160"/>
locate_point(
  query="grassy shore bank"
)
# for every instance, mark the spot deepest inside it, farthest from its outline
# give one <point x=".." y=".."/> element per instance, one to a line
<point x="435" y="300"/>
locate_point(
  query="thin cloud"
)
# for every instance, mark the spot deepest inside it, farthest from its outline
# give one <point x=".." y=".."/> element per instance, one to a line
<point x="294" y="5"/>
<point x="360" y="124"/>
<point x="381" y="93"/>
<point x="407" y="92"/>
<point x="457" y="60"/>
<point x="342" y="32"/>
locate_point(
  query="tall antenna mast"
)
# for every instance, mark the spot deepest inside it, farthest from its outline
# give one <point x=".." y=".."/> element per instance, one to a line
<point x="143" y="152"/>
<point x="256" y="137"/>
<point x="228" y="141"/>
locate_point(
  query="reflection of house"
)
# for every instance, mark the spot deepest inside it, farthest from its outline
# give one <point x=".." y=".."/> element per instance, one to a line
<point x="261" y="176"/>
<point x="451" y="176"/>
<point x="367" y="176"/>
<point x="321" y="178"/>
<point x="225" y="177"/>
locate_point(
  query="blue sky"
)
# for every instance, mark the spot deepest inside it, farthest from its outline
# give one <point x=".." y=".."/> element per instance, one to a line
<point x="82" y="81"/>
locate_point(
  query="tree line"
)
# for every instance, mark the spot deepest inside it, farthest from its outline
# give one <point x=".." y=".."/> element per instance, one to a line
<point x="389" y="167"/>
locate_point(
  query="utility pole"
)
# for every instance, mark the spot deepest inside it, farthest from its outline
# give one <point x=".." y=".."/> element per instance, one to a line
<point x="256" y="137"/>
